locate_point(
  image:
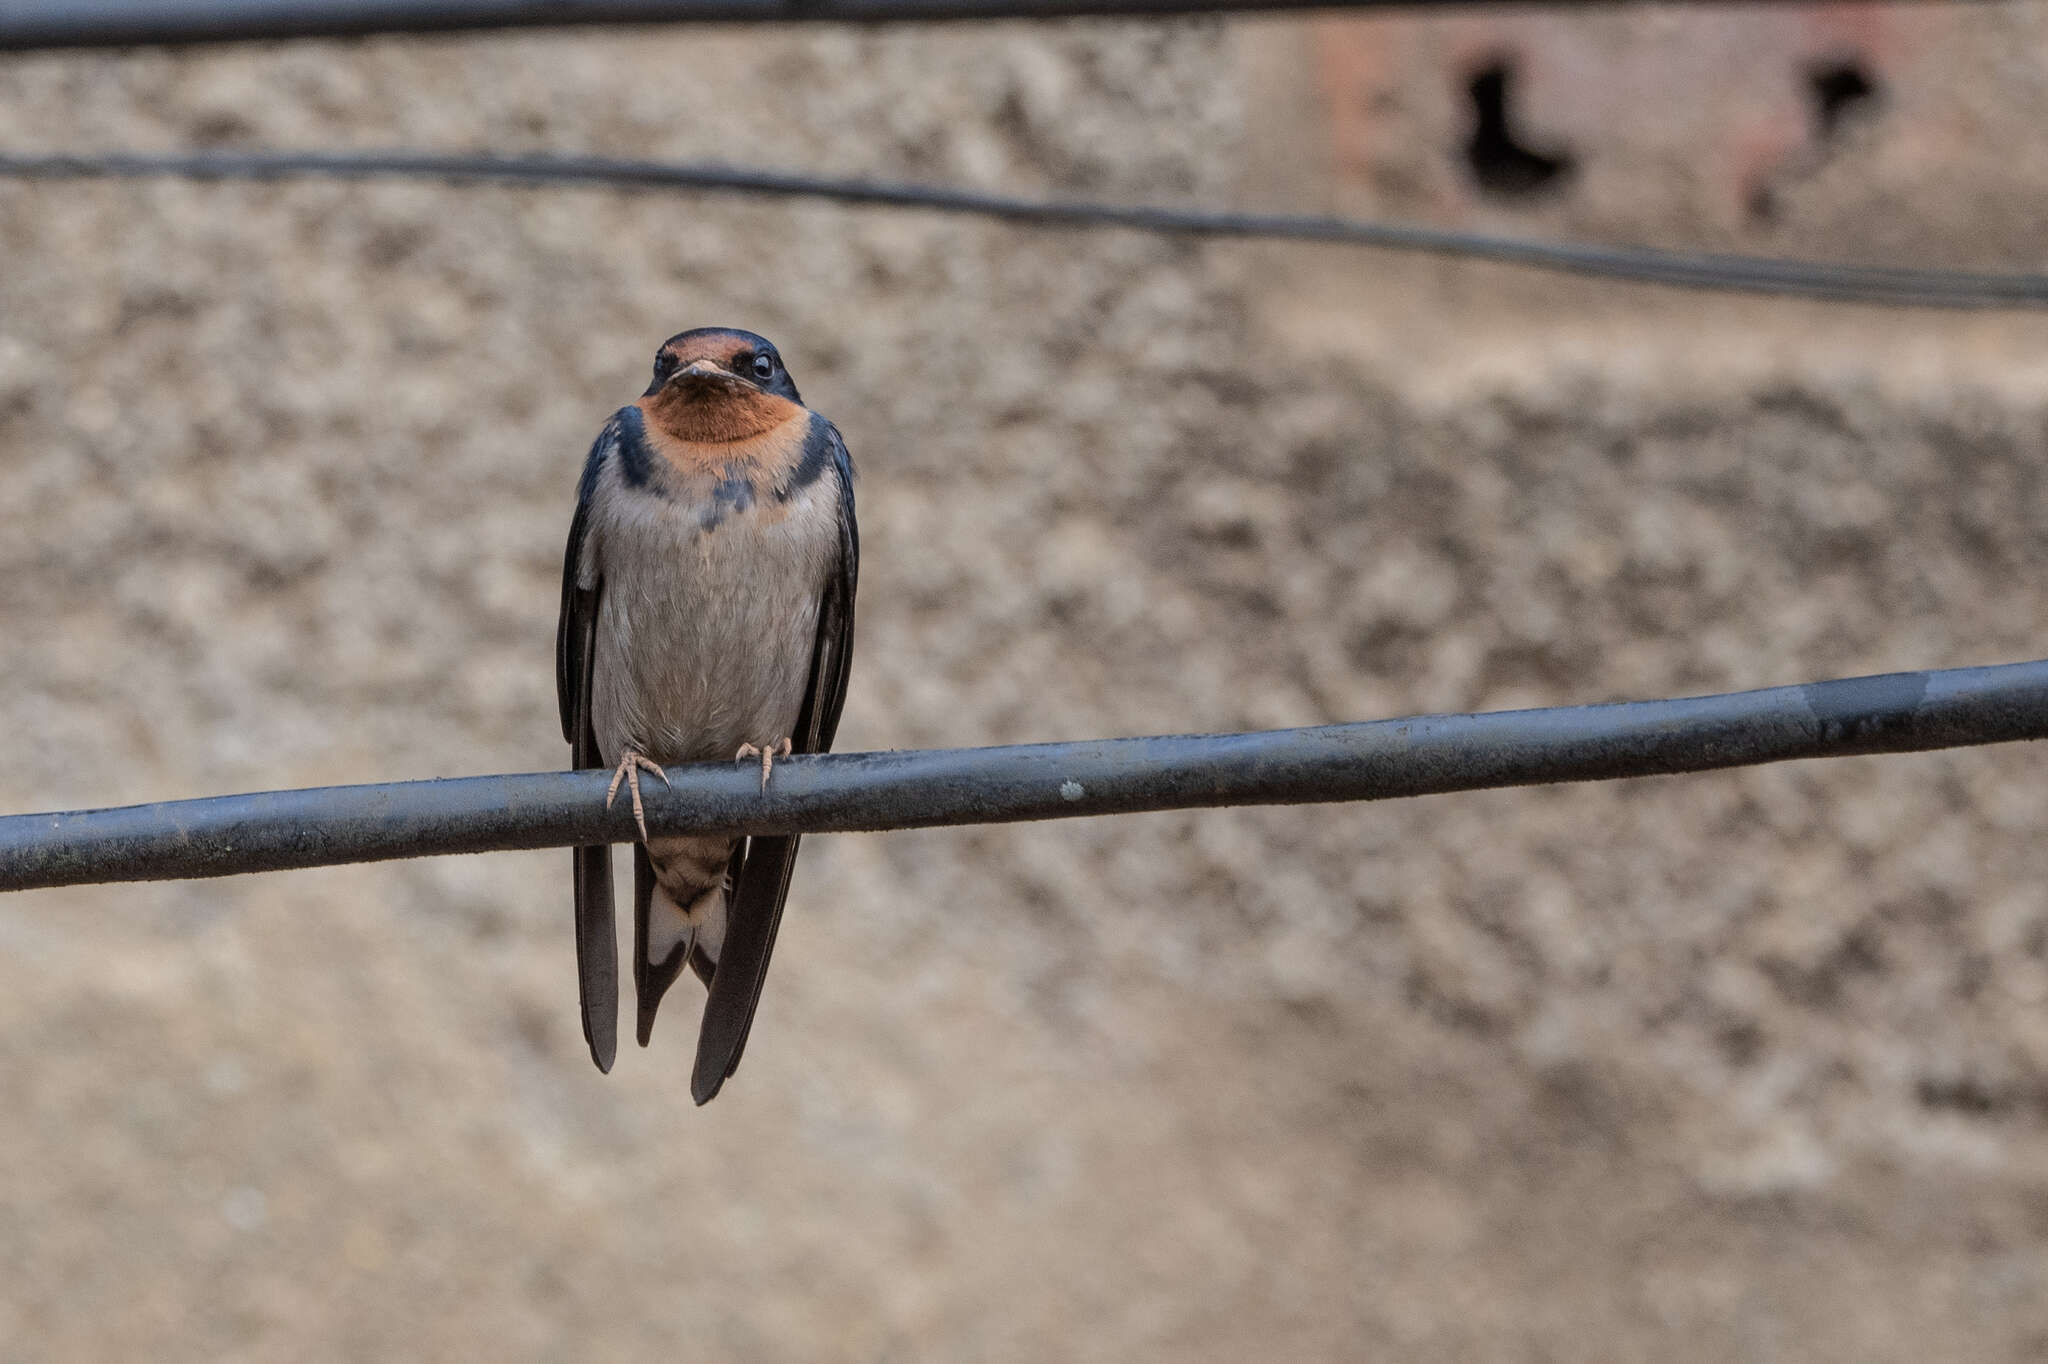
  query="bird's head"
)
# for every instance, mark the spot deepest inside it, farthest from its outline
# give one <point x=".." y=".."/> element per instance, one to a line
<point x="719" y="384"/>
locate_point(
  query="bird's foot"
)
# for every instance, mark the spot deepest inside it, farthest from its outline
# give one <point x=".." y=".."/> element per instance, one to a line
<point x="767" y="756"/>
<point x="629" y="770"/>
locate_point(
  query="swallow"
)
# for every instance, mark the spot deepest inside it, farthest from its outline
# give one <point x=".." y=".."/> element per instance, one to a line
<point x="707" y="614"/>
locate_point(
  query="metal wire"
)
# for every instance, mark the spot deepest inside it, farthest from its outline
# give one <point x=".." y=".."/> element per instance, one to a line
<point x="225" y="835"/>
<point x="1695" y="270"/>
<point x="101" y="23"/>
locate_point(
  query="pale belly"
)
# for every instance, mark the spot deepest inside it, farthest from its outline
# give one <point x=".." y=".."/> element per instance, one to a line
<point x="704" y="638"/>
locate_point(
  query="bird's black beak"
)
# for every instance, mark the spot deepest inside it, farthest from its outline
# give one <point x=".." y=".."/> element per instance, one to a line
<point x="702" y="373"/>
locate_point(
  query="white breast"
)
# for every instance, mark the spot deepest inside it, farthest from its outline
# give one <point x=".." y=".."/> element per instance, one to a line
<point x="704" y="637"/>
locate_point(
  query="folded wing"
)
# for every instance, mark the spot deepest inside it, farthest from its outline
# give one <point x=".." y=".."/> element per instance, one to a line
<point x="597" y="948"/>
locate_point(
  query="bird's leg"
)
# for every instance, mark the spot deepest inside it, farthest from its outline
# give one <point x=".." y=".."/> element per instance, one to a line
<point x="629" y="770"/>
<point x="767" y="756"/>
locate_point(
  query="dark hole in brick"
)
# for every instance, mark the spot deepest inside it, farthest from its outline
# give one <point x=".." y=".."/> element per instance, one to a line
<point x="1500" y="161"/>
<point x="1960" y="1094"/>
<point x="1839" y="90"/>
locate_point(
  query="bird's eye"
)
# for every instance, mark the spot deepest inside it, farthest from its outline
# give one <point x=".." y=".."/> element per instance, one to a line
<point x="664" y="365"/>
<point x="764" y="366"/>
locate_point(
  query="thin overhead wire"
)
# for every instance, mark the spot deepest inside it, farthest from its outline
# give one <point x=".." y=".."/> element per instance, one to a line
<point x="1874" y="284"/>
<point x="104" y="23"/>
<point x="1425" y="755"/>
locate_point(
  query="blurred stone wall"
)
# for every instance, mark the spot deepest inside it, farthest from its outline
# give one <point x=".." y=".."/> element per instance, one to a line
<point x="1876" y="129"/>
<point x="1745" y="1065"/>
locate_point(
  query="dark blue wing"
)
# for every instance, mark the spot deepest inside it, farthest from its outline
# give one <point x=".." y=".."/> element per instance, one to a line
<point x="597" y="948"/>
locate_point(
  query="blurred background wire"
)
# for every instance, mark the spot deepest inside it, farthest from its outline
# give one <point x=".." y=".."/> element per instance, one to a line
<point x="93" y="23"/>
<point x="1841" y="283"/>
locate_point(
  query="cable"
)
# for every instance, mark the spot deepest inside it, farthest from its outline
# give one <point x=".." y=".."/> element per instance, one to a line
<point x="1425" y="755"/>
<point x="104" y="23"/>
<point x="1695" y="270"/>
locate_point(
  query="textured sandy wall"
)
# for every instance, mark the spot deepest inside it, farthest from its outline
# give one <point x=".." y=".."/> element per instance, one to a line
<point x="1742" y="1066"/>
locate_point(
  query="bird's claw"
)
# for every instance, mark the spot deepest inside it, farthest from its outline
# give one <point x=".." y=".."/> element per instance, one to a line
<point x="629" y="770"/>
<point x="767" y="755"/>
